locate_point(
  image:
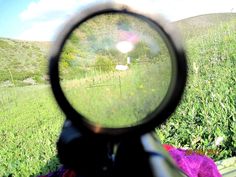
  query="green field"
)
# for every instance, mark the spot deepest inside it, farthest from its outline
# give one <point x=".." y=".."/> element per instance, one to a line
<point x="31" y="120"/>
<point x="121" y="99"/>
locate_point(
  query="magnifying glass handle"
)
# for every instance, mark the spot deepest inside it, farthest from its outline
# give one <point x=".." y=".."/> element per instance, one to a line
<point x="144" y="156"/>
<point x="160" y="162"/>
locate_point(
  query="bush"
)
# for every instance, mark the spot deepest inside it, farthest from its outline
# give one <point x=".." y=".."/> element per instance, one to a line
<point x="104" y="63"/>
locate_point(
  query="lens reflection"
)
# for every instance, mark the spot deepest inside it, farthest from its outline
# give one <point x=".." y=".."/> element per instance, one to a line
<point x="115" y="69"/>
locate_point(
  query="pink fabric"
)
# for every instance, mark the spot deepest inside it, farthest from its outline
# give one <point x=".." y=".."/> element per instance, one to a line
<point x="193" y="164"/>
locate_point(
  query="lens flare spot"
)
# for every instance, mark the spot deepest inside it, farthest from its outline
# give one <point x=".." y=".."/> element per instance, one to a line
<point x="124" y="46"/>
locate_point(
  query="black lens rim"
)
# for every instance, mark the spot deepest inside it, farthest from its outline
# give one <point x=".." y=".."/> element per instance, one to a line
<point x="168" y="105"/>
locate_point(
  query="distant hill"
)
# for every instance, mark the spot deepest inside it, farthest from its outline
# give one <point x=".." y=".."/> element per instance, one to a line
<point x="22" y="60"/>
<point x="199" y="25"/>
<point x="25" y="62"/>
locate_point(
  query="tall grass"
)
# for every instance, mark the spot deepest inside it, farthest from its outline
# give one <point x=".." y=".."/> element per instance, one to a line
<point x="208" y="110"/>
<point x="30" y="124"/>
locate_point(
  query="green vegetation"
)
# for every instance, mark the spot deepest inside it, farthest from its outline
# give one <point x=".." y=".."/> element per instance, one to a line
<point x="119" y="99"/>
<point x="21" y="60"/>
<point x="31" y="120"/>
<point x="208" y="109"/>
<point x="194" y="26"/>
<point x="30" y="124"/>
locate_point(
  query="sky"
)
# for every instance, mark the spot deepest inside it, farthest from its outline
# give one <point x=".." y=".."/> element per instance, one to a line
<point x="40" y="20"/>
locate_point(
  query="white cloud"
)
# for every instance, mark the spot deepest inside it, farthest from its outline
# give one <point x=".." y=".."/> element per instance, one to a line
<point x="44" y="17"/>
<point x="41" y="31"/>
<point x="43" y="9"/>
<point x="180" y="9"/>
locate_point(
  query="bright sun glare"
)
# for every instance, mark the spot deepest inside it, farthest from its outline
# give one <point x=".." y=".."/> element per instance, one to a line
<point x="124" y="46"/>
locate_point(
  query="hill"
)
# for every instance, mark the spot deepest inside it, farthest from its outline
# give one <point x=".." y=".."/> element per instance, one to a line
<point x="25" y="62"/>
<point x="199" y="25"/>
<point x="22" y="61"/>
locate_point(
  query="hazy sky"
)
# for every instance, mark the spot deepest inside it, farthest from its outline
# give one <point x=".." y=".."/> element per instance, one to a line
<point x="41" y="19"/>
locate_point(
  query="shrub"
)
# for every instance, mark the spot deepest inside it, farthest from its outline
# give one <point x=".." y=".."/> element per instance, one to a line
<point x="104" y="63"/>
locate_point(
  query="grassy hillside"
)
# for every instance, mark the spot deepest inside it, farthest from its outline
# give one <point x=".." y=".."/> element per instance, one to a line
<point x="201" y="25"/>
<point x="21" y="60"/>
<point x="26" y="61"/>
<point x="207" y="112"/>
<point x="31" y="120"/>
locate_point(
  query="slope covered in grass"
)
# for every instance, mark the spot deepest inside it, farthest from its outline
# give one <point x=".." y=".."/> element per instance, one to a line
<point x="207" y="112"/>
<point x="20" y="60"/>
<point x="200" y="25"/>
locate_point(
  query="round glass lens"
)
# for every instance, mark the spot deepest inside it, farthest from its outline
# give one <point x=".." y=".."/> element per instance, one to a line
<point x="115" y="69"/>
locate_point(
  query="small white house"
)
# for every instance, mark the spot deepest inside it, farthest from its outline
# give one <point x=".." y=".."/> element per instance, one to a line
<point x="122" y="67"/>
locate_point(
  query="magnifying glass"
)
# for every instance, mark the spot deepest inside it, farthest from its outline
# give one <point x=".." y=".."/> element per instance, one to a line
<point x="117" y="71"/>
